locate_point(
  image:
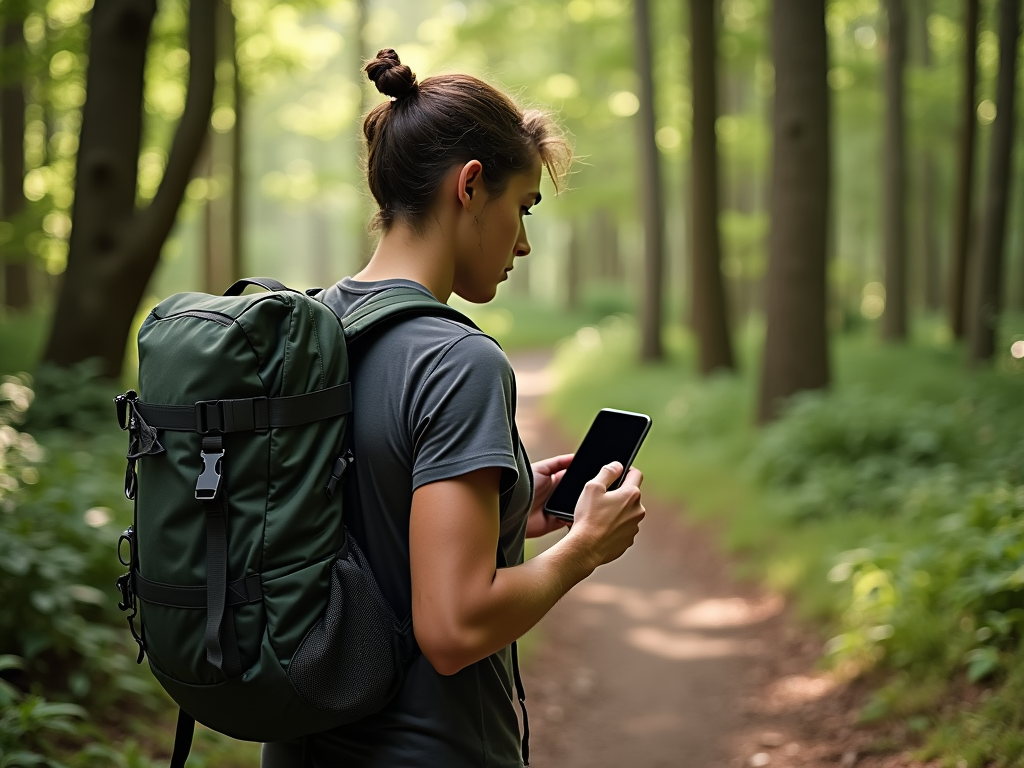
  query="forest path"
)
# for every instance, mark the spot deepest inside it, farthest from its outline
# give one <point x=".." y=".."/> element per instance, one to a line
<point x="662" y="658"/>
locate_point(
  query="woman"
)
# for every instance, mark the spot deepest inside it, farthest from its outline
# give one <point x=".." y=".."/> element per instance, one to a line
<point x="443" y="481"/>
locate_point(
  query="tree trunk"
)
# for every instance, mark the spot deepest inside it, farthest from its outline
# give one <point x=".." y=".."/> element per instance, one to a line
<point x="986" y="309"/>
<point x="606" y="245"/>
<point x="366" y="242"/>
<point x="17" y="291"/>
<point x="959" y="253"/>
<point x="930" y="261"/>
<point x="218" y="163"/>
<point x="114" y="248"/>
<point x="573" y="267"/>
<point x="894" y="197"/>
<point x="651" y="203"/>
<point x="796" y="346"/>
<point x="237" y="156"/>
<point x="707" y="300"/>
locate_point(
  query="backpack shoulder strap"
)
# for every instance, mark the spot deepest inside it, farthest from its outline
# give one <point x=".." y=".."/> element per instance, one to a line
<point x="397" y="302"/>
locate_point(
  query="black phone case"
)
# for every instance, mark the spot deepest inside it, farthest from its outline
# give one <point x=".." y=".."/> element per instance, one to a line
<point x="569" y="516"/>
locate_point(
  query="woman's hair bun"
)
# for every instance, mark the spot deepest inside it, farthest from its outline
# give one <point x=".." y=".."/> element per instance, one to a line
<point x="390" y="75"/>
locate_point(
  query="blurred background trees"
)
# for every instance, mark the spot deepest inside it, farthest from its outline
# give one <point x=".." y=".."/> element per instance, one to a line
<point x="671" y="211"/>
<point x="766" y="192"/>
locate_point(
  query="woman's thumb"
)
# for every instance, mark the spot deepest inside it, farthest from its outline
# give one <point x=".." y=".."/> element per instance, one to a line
<point x="609" y="474"/>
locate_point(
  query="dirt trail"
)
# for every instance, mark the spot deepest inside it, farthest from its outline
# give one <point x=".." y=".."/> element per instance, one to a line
<point x="663" y="659"/>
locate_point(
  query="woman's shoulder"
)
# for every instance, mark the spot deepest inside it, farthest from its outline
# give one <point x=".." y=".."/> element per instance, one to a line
<point x="461" y="346"/>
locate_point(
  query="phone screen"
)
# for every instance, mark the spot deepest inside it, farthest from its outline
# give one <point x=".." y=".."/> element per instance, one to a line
<point x="614" y="436"/>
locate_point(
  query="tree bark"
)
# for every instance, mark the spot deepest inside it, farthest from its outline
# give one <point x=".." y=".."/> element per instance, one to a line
<point x="651" y="201"/>
<point x="237" y="155"/>
<point x="17" y="290"/>
<point x="114" y="248"/>
<point x="606" y="245"/>
<point x="930" y="258"/>
<point x="366" y="243"/>
<point x="709" y="313"/>
<point x="894" y="197"/>
<point x="959" y="252"/>
<point x="573" y="266"/>
<point x="987" y="308"/>
<point x="218" y="162"/>
<point x="796" y="346"/>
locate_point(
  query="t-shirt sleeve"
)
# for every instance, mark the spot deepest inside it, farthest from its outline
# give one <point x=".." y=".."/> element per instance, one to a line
<point x="461" y="418"/>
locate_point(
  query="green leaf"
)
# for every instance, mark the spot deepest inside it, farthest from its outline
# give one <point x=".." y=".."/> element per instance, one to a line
<point x="981" y="662"/>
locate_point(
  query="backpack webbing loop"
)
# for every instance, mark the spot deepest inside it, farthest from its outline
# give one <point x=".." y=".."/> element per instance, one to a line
<point x="266" y="283"/>
<point x="219" y="625"/>
<point x="517" y="678"/>
<point x="183" y="733"/>
<point x="521" y="695"/>
<point x="239" y="592"/>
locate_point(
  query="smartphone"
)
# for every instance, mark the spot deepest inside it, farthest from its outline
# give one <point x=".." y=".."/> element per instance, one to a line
<point x="614" y="436"/>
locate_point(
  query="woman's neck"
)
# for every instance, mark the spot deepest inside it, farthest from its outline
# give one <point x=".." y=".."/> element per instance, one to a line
<point x="423" y="257"/>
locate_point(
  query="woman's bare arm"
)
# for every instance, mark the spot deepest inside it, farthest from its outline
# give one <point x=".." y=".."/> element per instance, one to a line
<point x="463" y="607"/>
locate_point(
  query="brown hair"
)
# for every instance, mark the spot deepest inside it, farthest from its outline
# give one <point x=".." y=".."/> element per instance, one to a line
<point x="415" y="139"/>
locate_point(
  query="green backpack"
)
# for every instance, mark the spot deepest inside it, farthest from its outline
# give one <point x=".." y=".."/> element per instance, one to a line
<point x="259" y="614"/>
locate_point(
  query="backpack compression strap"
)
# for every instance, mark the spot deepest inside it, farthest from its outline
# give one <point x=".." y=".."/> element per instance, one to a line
<point x="397" y="302"/>
<point x="248" y="413"/>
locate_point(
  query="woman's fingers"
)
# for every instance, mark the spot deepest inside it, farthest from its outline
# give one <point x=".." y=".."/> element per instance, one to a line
<point x="633" y="478"/>
<point x="553" y="465"/>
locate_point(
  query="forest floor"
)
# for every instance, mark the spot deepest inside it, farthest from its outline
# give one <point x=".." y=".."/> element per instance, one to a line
<point x="663" y="658"/>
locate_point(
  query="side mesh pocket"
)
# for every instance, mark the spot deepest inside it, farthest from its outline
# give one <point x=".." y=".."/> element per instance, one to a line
<point x="350" y="661"/>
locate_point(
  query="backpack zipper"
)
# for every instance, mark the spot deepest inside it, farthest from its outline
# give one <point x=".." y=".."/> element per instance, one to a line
<point x="216" y="317"/>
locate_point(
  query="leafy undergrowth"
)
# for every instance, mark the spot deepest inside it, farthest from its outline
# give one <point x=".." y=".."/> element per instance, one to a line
<point x="71" y="693"/>
<point x="890" y="507"/>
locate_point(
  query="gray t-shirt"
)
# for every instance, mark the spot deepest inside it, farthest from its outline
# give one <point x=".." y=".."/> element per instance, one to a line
<point x="433" y="399"/>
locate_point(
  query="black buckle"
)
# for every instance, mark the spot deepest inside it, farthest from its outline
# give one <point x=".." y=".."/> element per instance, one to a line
<point x="208" y="484"/>
<point x="121" y="402"/>
<point x="204" y="410"/>
<point x="131" y="480"/>
<point x="124" y="586"/>
<point x="337" y="472"/>
<point x="129" y="536"/>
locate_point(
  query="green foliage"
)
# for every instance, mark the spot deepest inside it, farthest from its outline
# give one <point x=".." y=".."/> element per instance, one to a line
<point x="62" y="509"/>
<point x="67" y="661"/>
<point x="891" y="507"/>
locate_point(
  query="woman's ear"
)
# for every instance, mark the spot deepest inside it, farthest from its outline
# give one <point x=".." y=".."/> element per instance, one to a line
<point x="470" y="183"/>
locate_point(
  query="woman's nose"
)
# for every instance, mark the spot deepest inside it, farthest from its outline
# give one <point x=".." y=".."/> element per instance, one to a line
<point x="523" y="243"/>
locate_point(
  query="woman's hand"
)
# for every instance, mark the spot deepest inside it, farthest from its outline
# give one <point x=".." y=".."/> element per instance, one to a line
<point x="606" y="522"/>
<point x="547" y="475"/>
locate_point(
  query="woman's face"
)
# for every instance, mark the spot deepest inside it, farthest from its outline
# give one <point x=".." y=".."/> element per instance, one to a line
<point x="494" y="235"/>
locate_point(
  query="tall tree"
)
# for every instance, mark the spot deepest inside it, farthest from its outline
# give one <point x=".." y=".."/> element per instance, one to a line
<point x="237" y="156"/>
<point x="573" y="265"/>
<point x="894" y="212"/>
<point x="651" y="201"/>
<point x="796" y="346"/>
<point x="220" y="160"/>
<point x="958" y="257"/>
<point x="987" y="307"/>
<point x="366" y="242"/>
<point x="930" y="262"/>
<point x="707" y="302"/>
<point x="114" y="246"/>
<point x="17" y="293"/>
